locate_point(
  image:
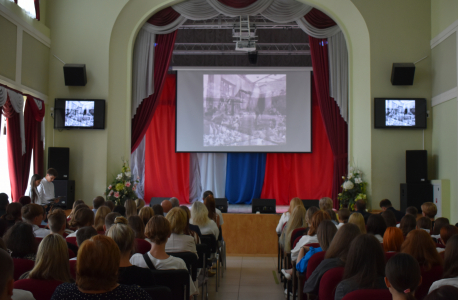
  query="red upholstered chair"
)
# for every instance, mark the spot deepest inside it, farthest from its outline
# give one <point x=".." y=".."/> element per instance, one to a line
<point x="380" y="294"/>
<point x="438" y="245"/>
<point x="428" y="277"/>
<point x="298" y="232"/>
<point x="283" y="227"/>
<point x="73" y="268"/>
<point x="329" y="283"/>
<point x="295" y="242"/>
<point x="389" y="255"/>
<point x="142" y="246"/>
<point x="101" y="232"/>
<point x="71" y="254"/>
<point x="314" y="261"/>
<point x="72" y="240"/>
<point x="21" y="266"/>
<point x="41" y="289"/>
<point x="38" y="239"/>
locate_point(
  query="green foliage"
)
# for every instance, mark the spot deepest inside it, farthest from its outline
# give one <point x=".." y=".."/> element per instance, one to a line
<point x="122" y="188"/>
<point x="353" y="189"/>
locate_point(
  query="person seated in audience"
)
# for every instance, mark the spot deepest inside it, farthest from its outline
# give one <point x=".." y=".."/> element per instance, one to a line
<point x="13" y="213"/>
<point x="421" y="246"/>
<point x="83" y="217"/>
<point x="145" y="214"/>
<point x="75" y="204"/>
<point x="310" y="237"/>
<point x="393" y="239"/>
<point x="140" y="203"/>
<point x="450" y="275"/>
<point x="158" y="231"/>
<point x="403" y="276"/>
<point x="131" y="208"/>
<point x="210" y="204"/>
<point x="297" y="220"/>
<point x="425" y="224"/>
<point x="178" y="240"/>
<point x="438" y="224"/>
<point x="376" y="226"/>
<point x="192" y="230"/>
<point x="75" y="210"/>
<point x="386" y="205"/>
<point x="120" y="210"/>
<point x="325" y="234"/>
<point x="109" y="204"/>
<point x="166" y="206"/>
<point x="57" y="223"/>
<point x="24" y="200"/>
<point x="84" y="234"/>
<point x="20" y="240"/>
<point x="129" y="274"/>
<point x="429" y="210"/>
<point x="199" y="217"/>
<point x="360" y="207"/>
<point x="325" y="203"/>
<point x="358" y="220"/>
<point x="447" y="232"/>
<point x="408" y="223"/>
<point x="344" y="215"/>
<point x="7" y="291"/>
<point x="97" y="272"/>
<point x="100" y="216"/>
<point x="175" y="202"/>
<point x="390" y="218"/>
<point x="34" y="215"/>
<point x="52" y="261"/>
<point x="445" y="292"/>
<point x="158" y="210"/>
<point x="309" y="214"/>
<point x="136" y="223"/>
<point x="3" y="203"/>
<point x="333" y="216"/>
<point x="109" y="221"/>
<point x="3" y="227"/>
<point x="205" y="195"/>
<point x="336" y="256"/>
<point x="412" y="210"/>
<point x="365" y="267"/>
<point x="286" y="215"/>
<point x="97" y="202"/>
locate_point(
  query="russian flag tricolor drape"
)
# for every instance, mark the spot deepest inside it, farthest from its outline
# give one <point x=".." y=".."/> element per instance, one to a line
<point x="239" y="177"/>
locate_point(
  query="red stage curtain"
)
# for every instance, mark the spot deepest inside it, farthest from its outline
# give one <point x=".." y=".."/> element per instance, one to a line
<point x="237" y="3"/>
<point x="14" y="148"/>
<point x="319" y="19"/>
<point x="164" y="17"/>
<point x="303" y="175"/>
<point x="37" y="9"/>
<point x="167" y="172"/>
<point x="145" y="112"/>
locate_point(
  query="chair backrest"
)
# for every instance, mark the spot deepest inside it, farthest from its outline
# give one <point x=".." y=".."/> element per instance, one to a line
<point x="283" y="227"/>
<point x="329" y="282"/>
<point x="73" y="268"/>
<point x="159" y="292"/>
<point x="204" y="252"/>
<point x="379" y="294"/>
<point x="438" y="245"/>
<point x="21" y="266"/>
<point x="41" y="289"/>
<point x="389" y="255"/>
<point x="38" y="239"/>
<point x="298" y="232"/>
<point x="210" y="240"/>
<point x="101" y="232"/>
<point x="72" y="240"/>
<point x="176" y="280"/>
<point x="190" y="260"/>
<point x="295" y="242"/>
<point x="142" y="246"/>
<point x="71" y="254"/>
<point x="428" y="277"/>
<point x="314" y="261"/>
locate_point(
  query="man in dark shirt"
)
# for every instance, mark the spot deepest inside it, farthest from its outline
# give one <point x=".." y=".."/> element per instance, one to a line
<point x="385" y="205"/>
<point x="360" y="207"/>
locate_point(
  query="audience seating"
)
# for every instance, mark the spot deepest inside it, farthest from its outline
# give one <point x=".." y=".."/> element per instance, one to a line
<point x="438" y="245"/>
<point x="329" y="282"/>
<point x="298" y="232"/>
<point x="190" y="260"/>
<point x="71" y="254"/>
<point x="203" y="252"/>
<point x="21" y="266"/>
<point x="41" y="289"/>
<point x="38" y="239"/>
<point x="428" y="277"/>
<point x="389" y="255"/>
<point x="314" y="261"/>
<point x="159" y="292"/>
<point x="176" y="280"/>
<point x="101" y="232"/>
<point x="379" y="294"/>
<point x="142" y="246"/>
<point x="212" y="243"/>
<point x="72" y="240"/>
<point x="73" y="268"/>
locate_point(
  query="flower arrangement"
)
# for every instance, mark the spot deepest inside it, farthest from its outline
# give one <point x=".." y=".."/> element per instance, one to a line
<point x="123" y="187"/>
<point x="354" y="188"/>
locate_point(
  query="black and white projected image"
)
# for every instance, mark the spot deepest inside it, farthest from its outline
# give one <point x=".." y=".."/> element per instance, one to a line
<point x="400" y="113"/>
<point x="244" y="110"/>
<point x="79" y="113"/>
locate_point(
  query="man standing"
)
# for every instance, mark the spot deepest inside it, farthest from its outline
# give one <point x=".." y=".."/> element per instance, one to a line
<point x="46" y="187"/>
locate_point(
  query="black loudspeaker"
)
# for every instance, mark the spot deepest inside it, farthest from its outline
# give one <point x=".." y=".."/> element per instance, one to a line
<point x="310" y="202"/>
<point x="59" y="159"/>
<point x="221" y="204"/>
<point x="66" y="190"/>
<point x="264" y="206"/>
<point x="402" y="73"/>
<point x="253" y="57"/>
<point x="416" y="166"/>
<point x="415" y="194"/>
<point x="75" y="75"/>
<point x="157" y="200"/>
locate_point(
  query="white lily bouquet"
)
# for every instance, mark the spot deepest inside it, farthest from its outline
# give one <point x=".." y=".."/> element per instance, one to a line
<point x="123" y="187"/>
<point x="353" y="189"/>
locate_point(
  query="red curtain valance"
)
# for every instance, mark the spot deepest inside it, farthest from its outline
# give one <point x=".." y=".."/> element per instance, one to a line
<point x="237" y="3"/>
<point x="164" y="17"/>
<point x="319" y="19"/>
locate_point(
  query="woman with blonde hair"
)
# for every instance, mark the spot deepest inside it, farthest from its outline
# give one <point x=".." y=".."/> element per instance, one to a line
<point x="199" y="217"/>
<point x="146" y="213"/>
<point x="297" y="220"/>
<point x="286" y="215"/>
<point x="100" y="215"/>
<point x="52" y="260"/>
<point x="178" y="240"/>
<point x="140" y="203"/>
<point x="358" y="220"/>
<point x="131" y="208"/>
<point x="325" y="203"/>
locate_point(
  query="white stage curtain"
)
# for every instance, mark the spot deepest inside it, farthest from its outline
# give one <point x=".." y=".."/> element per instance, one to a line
<point x="17" y="101"/>
<point x="338" y="72"/>
<point x="196" y="10"/>
<point x="40" y="105"/>
<point x="195" y="185"/>
<point x="3" y="95"/>
<point x="284" y="11"/>
<point x="213" y="172"/>
<point x="256" y="8"/>
<point x="137" y="167"/>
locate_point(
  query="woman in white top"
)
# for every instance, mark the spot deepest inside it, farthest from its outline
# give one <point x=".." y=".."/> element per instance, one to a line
<point x="178" y="240"/>
<point x="450" y="275"/>
<point x="311" y="235"/>
<point x="285" y="216"/>
<point x="199" y="217"/>
<point x="376" y="225"/>
<point x="32" y="191"/>
<point x="158" y="232"/>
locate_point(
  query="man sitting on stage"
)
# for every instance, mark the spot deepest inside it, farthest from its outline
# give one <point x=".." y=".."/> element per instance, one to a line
<point x="205" y="195"/>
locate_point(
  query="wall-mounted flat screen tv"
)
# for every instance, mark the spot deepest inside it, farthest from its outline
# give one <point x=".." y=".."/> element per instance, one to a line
<point x="79" y="114"/>
<point x="400" y="113"/>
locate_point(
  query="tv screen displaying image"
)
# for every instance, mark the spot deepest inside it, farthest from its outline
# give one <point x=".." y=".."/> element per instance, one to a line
<point x="79" y="114"/>
<point x="400" y="113"/>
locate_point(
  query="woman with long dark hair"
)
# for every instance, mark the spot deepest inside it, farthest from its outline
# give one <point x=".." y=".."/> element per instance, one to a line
<point x="450" y="276"/>
<point x="402" y="276"/>
<point x="32" y="189"/>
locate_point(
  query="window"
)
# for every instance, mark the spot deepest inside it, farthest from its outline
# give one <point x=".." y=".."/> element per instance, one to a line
<point x="29" y="7"/>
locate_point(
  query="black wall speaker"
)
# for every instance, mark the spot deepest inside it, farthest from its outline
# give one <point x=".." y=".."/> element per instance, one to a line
<point x="66" y="190"/>
<point x="416" y="166"/>
<point x="310" y="202"/>
<point x="59" y="159"/>
<point x="221" y="204"/>
<point x="157" y="200"/>
<point x="75" y="74"/>
<point x="253" y="57"/>
<point x="264" y="206"/>
<point x="402" y="73"/>
<point x="415" y="194"/>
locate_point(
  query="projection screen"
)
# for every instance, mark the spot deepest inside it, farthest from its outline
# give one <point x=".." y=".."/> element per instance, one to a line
<point x="243" y="110"/>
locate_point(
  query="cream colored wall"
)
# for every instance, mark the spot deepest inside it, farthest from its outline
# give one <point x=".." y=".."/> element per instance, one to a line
<point x="35" y="64"/>
<point x="444" y="68"/>
<point x="8" y="49"/>
<point x="443" y="14"/>
<point x="80" y="33"/>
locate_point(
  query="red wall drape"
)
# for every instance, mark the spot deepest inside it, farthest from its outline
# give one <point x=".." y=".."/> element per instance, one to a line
<point x="319" y="19"/>
<point x="164" y="17"/>
<point x="167" y="172"/>
<point x="303" y="175"/>
<point x="237" y="3"/>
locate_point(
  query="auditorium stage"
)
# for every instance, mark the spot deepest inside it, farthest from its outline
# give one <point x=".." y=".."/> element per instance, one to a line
<point x="246" y="209"/>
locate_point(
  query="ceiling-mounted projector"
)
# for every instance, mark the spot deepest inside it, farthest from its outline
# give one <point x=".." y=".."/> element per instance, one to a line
<point x="247" y="46"/>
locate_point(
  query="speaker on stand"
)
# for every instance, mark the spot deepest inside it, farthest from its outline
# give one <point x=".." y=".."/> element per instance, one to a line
<point x="264" y="206"/>
<point x="417" y="189"/>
